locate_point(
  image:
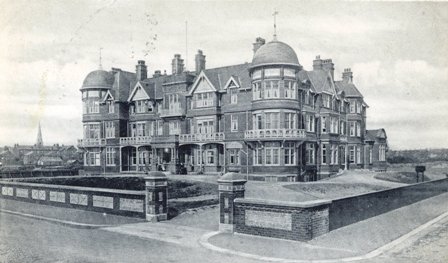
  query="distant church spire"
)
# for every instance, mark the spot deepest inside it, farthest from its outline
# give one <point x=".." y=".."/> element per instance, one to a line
<point x="39" y="142"/>
<point x="275" y="24"/>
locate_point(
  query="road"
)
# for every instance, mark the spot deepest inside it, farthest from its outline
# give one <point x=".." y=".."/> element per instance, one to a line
<point x="29" y="240"/>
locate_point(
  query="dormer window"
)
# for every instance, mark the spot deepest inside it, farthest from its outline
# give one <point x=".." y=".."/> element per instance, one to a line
<point x="326" y="100"/>
<point x="110" y="106"/>
<point x="233" y="96"/>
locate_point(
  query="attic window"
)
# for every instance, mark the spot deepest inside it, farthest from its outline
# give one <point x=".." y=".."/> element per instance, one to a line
<point x="256" y="74"/>
<point x="289" y="73"/>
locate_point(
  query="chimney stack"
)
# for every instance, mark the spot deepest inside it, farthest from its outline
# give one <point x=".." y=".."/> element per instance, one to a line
<point x="258" y="43"/>
<point x="157" y="73"/>
<point x="317" y="63"/>
<point x="327" y="65"/>
<point x="199" y="61"/>
<point x="141" y="70"/>
<point x="177" y="65"/>
<point x="347" y="75"/>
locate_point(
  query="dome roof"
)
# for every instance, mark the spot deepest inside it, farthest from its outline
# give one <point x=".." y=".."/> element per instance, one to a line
<point x="275" y="52"/>
<point x="98" y="78"/>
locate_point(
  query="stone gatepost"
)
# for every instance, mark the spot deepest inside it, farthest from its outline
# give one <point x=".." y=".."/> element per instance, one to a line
<point x="156" y="186"/>
<point x="231" y="186"/>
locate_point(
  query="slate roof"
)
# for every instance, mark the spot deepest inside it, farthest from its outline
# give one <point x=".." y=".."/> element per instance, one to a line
<point x="275" y="52"/>
<point x="98" y="79"/>
<point x="219" y="76"/>
<point x="371" y="135"/>
<point x="318" y="79"/>
<point x="349" y="89"/>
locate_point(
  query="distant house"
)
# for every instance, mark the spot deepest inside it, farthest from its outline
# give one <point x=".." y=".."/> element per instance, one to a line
<point x="49" y="161"/>
<point x="377" y="141"/>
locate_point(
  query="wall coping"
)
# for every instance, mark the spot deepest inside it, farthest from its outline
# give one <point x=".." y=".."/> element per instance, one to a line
<point x="389" y="189"/>
<point x="305" y="204"/>
<point x="79" y="188"/>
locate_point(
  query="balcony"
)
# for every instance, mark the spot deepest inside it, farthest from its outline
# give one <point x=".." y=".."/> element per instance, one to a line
<point x="204" y="138"/>
<point x="142" y="140"/>
<point x="91" y="142"/>
<point x="268" y="134"/>
<point x="164" y="113"/>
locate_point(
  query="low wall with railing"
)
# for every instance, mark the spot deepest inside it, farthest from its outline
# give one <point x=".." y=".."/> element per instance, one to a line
<point x="113" y="201"/>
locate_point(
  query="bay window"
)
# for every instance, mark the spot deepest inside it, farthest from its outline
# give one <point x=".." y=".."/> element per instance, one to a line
<point x="289" y="153"/>
<point x="310" y="153"/>
<point x="204" y="99"/>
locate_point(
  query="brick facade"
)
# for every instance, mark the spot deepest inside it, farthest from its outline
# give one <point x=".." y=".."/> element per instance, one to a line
<point x="267" y="116"/>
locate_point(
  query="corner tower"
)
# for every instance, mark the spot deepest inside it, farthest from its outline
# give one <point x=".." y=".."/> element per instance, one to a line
<point x="276" y="130"/>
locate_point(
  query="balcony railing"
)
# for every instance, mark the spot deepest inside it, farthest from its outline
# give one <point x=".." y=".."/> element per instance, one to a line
<point x="207" y="137"/>
<point x="135" y="140"/>
<point x="172" y="112"/>
<point x="91" y="142"/>
<point x="264" y="134"/>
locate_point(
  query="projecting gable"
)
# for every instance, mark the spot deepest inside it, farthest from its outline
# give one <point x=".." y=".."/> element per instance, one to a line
<point x="108" y="96"/>
<point x="232" y="83"/>
<point x="202" y="85"/>
<point x="138" y="93"/>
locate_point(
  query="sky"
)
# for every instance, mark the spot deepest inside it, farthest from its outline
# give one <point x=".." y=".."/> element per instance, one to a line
<point x="397" y="51"/>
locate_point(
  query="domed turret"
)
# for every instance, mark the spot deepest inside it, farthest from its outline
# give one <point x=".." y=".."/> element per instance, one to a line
<point x="98" y="79"/>
<point x="275" y="53"/>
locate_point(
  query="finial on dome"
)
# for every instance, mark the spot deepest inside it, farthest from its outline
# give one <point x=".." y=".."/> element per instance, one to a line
<point x="275" y="24"/>
<point x="100" y="66"/>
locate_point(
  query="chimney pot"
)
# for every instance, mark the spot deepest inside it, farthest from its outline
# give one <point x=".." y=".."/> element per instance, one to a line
<point x="258" y="43"/>
<point x="199" y="61"/>
<point x="141" y="70"/>
<point x="347" y="75"/>
<point x="177" y="65"/>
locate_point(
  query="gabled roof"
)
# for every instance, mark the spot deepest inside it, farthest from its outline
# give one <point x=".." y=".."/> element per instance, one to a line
<point x="232" y="82"/>
<point x="121" y="87"/>
<point x="349" y="89"/>
<point x="220" y="76"/>
<point x="320" y="80"/>
<point x="108" y="96"/>
<point x="372" y="135"/>
<point x="146" y="88"/>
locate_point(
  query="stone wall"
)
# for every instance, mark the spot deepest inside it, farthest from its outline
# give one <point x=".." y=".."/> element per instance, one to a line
<point x="113" y="201"/>
<point x="349" y="210"/>
<point x="286" y="220"/>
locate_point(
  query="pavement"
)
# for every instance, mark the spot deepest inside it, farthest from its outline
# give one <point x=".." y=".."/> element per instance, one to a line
<point x="360" y="241"/>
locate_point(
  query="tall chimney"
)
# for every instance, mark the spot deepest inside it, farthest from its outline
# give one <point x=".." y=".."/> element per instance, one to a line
<point x="347" y="75"/>
<point x="141" y="70"/>
<point x="258" y="43"/>
<point x="177" y="65"/>
<point x="327" y="64"/>
<point x="199" y="61"/>
<point x="317" y="63"/>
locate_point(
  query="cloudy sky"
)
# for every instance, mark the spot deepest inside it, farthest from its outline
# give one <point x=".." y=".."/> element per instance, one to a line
<point x="397" y="51"/>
